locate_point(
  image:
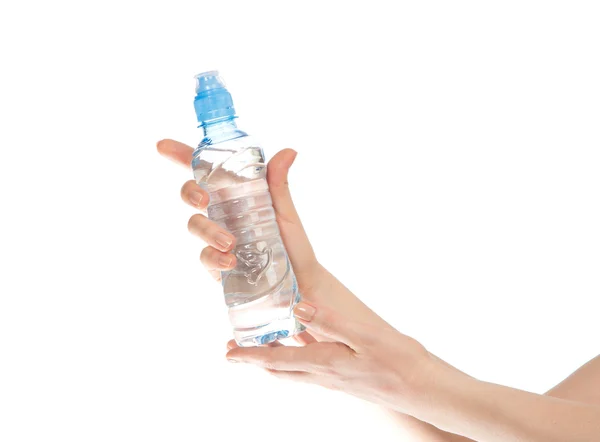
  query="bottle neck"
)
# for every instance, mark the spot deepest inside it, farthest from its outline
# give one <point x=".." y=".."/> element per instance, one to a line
<point x="220" y="131"/>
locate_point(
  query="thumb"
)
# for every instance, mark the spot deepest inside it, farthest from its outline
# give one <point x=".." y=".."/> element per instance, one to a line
<point x="329" y="323"/>
<point x="294" y="237"/>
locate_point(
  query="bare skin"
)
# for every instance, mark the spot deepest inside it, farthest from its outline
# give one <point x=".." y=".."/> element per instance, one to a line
<point x="350" y="348"/>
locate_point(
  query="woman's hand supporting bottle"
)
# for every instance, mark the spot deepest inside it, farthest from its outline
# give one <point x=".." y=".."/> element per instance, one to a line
<point x="348" y="347"/>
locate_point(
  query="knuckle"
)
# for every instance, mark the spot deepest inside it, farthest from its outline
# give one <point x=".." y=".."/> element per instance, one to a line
<point x="329" y="324"/>
<point x="324" y="361"/>
<point x="195" y="223"/>
<point x="185" y="189"/>
<point x="205" y="255"/>
<point x="192" y="222"/>
<point x="338" y="356"/>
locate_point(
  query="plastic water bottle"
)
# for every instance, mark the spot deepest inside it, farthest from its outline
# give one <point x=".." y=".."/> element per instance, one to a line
<point x="261" y="290"/>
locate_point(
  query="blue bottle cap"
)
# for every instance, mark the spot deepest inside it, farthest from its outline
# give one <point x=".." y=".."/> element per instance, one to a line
<point x="213" y="101"/>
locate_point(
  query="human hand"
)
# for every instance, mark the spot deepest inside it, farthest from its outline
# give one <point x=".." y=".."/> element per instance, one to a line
<point x="315" y="283"/>
<point x="373" y="362"/>
<point x="362" y="355"/>
<point x="317" y="286"/>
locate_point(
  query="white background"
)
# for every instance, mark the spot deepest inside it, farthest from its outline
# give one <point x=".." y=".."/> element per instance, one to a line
<point x="447" y="173"/>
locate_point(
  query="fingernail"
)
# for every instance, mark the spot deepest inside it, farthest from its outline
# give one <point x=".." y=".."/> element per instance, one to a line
<point x="232" y="360"/>
<point x="195" y="198"/>
<point x="223" y="240"/>
<point x="225" y="261"/>
<point x="305" y="311"/>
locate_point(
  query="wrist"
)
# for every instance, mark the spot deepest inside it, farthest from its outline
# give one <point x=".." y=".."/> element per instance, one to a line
<point x="439" y="390"/>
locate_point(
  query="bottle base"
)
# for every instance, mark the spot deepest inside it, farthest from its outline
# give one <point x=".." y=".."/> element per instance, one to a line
<point x="280" y="329"/>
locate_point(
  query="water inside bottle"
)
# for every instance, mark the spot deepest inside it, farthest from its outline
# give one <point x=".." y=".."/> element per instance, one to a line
<point x="261" y="290"/>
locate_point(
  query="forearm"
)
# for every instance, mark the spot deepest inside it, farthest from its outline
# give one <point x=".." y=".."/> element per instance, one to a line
<point x="422" y="431"/>
<point x="492" y="413"/>
<point x="483" y="412"/>
<point x="581" y="386"/>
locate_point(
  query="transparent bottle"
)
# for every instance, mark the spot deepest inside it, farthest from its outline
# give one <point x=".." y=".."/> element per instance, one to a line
<point x="261" y="290"/>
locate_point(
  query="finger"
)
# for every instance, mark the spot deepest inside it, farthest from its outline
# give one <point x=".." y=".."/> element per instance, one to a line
<point x="216" y="274"/>
<point x="302" y="376"/>
<point x="232" y="344"/>
<point x="211" y="233"/>
<point x="214" y="259"/>
<point x="175" y="151"/>
<point x="273" y="358"/>
<point x="192" y="194"/>
<point x="314" y="358"/>
<point x="296" y="241"/>
<point x="305" y="338"/>
<point x="328" y="323"/>
<point x="295" y="376"/>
